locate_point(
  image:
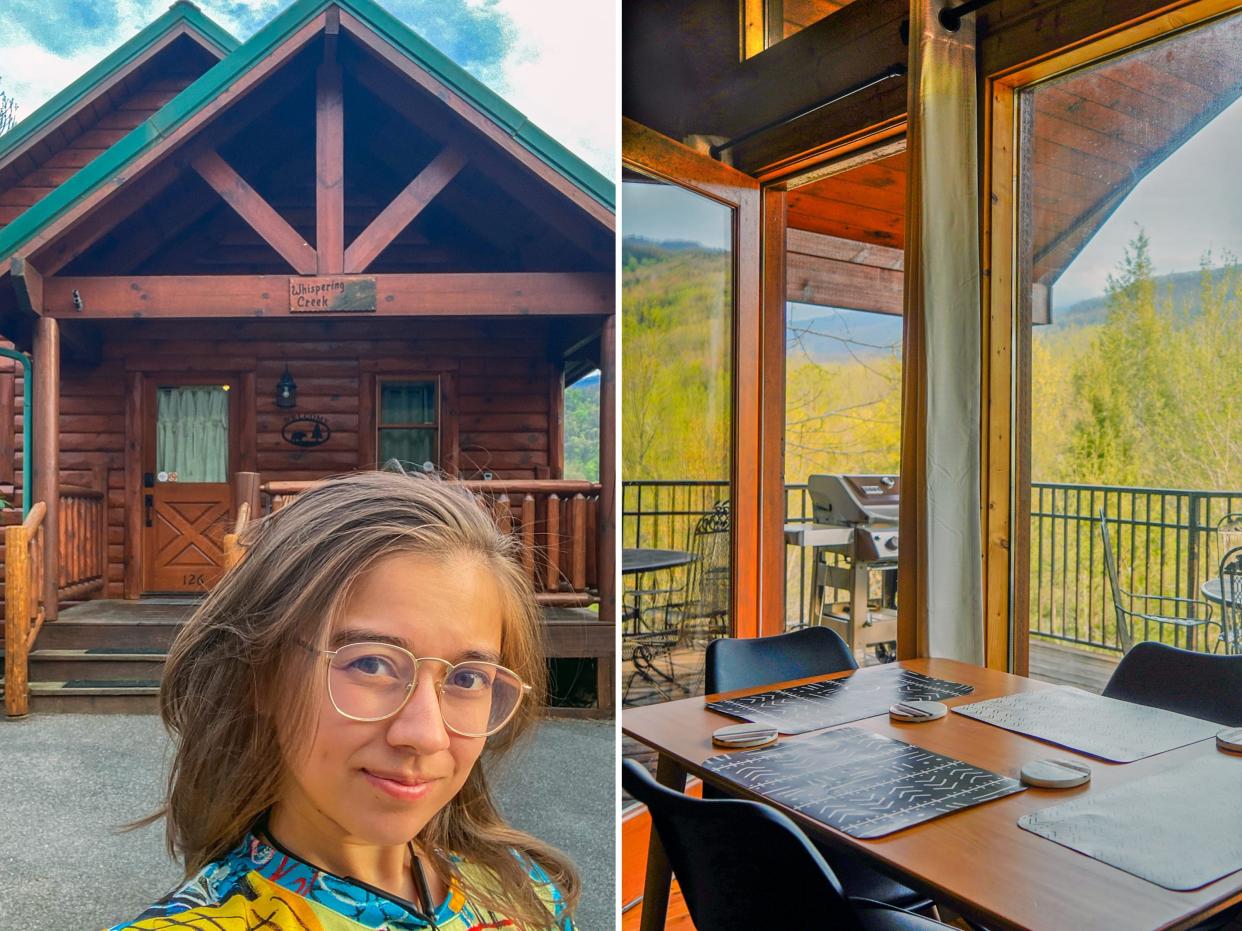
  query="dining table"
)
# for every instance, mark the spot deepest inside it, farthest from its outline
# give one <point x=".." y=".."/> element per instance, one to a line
<point x="976" y="860"/>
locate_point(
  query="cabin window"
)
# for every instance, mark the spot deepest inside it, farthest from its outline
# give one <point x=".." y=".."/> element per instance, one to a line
<point x="766" y="22"/>
<point x="1128" y="307"/>
<point x="408" y="422"/>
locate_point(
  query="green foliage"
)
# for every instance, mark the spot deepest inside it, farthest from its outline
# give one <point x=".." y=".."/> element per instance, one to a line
<point x="582" y="430"/>
<point x="1151" y="396"/>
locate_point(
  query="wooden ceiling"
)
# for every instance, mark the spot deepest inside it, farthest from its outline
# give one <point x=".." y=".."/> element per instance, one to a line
<point x="866" y="204"/>
<point x="796" y="15"/>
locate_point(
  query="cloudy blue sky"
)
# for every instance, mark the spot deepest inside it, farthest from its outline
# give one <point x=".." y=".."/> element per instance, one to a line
<point x="555" y="60"/>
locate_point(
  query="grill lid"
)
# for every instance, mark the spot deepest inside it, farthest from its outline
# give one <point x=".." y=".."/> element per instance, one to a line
<point x="855" y="499"/>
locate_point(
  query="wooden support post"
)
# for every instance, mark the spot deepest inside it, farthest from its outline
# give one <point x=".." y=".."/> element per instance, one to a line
<point x="134" y="510"/>
<point x="607" y="526"/>
<point x="47" y="450"/>
<point x="16" y="619"/>
<point x="246" y="491"/>
<point x="99" y="479"/>
<point x="329" y="161"/>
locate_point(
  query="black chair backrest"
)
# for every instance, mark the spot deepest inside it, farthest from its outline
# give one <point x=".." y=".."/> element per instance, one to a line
<point x="741" y="865"/>
<point x="1231" y="599"/>
<point x="1202" y="685"/>
<point x="741" y="664"/>
<point x="708" y="588"/>
<point x="1110" y="563"/>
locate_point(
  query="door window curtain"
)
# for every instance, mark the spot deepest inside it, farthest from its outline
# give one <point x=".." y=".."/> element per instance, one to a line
<point x="192" y="433"/>
<point x="941" y="585"/>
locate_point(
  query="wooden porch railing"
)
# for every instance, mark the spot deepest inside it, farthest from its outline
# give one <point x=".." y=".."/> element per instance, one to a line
<point x="83" y="538"/>
<point x="23" y="605"/>
<point x="556" y="520"/>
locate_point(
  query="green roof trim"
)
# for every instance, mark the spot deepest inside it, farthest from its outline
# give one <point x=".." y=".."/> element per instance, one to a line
<point x="181" y="12"/>
<point x="256" y="49"/>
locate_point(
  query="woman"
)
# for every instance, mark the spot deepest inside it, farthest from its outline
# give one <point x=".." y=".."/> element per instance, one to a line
<point x="332" y="697"/>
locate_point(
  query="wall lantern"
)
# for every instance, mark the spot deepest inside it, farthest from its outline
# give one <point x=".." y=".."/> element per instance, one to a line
<point x="286" y="390"/>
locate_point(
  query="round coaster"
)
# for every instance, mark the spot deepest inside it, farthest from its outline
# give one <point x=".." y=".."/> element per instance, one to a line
<point x="1055" y="774"/>
<point x="1230" y="740"/>
<point x="744" y="735"/>
<point x="916" y="712"/>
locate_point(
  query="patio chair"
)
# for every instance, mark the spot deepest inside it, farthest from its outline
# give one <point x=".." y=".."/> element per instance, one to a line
<point x="1229" y="532"/>
<point x="812" y="651"/>
<point x="743" y="865"/>
<point x="1231" y="602"/>
<point x="703" y="614"/>
<point x="1198" y="684"/>
<point x="1196" y="613"/>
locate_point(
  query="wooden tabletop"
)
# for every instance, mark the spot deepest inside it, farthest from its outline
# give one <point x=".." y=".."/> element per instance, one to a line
<point x="977" y="860"/>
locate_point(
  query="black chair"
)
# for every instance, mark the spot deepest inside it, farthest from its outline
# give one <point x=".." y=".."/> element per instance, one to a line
<point x="741" y="664"/>
<point x="814" y="651"/>
<point x="1230" y="602"/>
<point x="742" y="866"/>
<point x="1188" y="613"/>
<point x="1202" y="685"/>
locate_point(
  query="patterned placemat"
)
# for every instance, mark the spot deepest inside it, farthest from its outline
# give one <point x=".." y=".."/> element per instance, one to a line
<point x="1118" y="731"/>
<point x="1177" y="829"/>
<point x="864" y="784"/>
<point x="815" y="705"/>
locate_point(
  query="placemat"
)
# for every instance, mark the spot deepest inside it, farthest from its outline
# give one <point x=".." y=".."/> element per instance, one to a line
<point x="1177" y="829"/>
<point x="1118" y="731"/>
<point x="814" y="705"/>
<point x="864" y="784"/>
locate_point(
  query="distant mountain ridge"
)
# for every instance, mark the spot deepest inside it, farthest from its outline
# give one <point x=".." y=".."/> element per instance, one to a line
<point x="1185" y="288"/>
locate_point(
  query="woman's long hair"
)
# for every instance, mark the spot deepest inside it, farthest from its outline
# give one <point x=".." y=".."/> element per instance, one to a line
<point x="239" y="683"/>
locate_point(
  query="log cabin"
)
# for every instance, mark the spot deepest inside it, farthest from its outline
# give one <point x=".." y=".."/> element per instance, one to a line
<point x="941" y="162"/>
<point x="230" y="269"/>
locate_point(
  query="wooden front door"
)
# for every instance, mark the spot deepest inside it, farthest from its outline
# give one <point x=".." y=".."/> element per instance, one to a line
<point x="189" y="454"/>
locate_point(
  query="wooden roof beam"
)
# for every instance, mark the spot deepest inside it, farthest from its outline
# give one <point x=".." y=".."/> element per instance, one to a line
<point x="256" y="211"/>
<point x="82" y="345"/>
<point x="330" y="155"/>
<point x="404" y="208"/>
<point x="221" y="296"/>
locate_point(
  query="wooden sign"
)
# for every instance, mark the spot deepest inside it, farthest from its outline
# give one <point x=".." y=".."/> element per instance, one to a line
<point x="331" y="295"/>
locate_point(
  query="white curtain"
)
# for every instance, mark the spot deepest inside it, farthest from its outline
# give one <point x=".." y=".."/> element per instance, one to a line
<point x="192" y="433"/>
<point x="942" y="285"/>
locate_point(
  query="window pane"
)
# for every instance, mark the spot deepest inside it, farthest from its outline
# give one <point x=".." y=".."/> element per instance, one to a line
<point x="677" y="322"/>
<point x="407" y="402"/>
<point x="409" y="446"/>
<point x="1132" y="295"/>
<point x="192" y="433"/>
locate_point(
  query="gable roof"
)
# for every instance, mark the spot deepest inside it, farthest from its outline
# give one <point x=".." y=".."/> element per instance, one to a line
<point x="253" y="51"/>
<point x="182" y="14"/>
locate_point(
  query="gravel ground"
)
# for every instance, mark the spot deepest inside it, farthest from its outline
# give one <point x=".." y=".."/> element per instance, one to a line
<point x="71" y="780"/>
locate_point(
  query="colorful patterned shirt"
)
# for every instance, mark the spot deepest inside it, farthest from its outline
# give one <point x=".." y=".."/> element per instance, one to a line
<point x="257" y="886"/>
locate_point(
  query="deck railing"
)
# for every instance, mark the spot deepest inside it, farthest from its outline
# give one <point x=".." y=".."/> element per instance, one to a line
<point x="83" y="538"/>
<point x="557" y="521"/>
<point x="1165" y="541"/>
<point x="23" y="605"/>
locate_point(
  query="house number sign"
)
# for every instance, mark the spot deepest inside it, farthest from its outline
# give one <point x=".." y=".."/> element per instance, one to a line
<point x="331" y="295"/>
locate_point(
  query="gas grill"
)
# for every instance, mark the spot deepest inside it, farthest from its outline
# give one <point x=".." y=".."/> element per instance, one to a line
<point x="854" y="534"/>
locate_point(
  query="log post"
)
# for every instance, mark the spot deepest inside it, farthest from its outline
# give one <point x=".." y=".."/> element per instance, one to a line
<point x="47" y="451"/>
<point x="16" y="620"/>
<point x="246" y="490"/>
<point x="607" y="525"/>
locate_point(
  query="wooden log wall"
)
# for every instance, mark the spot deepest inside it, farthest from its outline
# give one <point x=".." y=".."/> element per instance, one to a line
<point x="499" y="370"/>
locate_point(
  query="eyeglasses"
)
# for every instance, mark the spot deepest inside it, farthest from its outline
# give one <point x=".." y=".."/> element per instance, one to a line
<point x="373" y="681"/>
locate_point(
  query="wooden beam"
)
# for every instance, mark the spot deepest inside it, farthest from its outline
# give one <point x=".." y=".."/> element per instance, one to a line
<point x="27" y="284"/>
<point x="329" y="162"/>
<point x="256" y="211"/>
<point x="134" y="510"/>
<point x="819" y="273"/>
<point x="46" y="453"/>
<point x="404" y="208"/>
<point x="606" y="528"/>
<point x="485" y="294"/>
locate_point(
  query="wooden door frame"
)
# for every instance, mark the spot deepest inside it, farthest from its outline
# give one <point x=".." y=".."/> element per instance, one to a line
<point x="758" y="588"/>
<point x="140" y="436"/>
<point x="1005" y="445"/>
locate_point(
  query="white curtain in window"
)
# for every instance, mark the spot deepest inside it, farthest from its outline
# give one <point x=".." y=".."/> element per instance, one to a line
<point x="192" y="433"/>
<point x="941" y="426"/>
